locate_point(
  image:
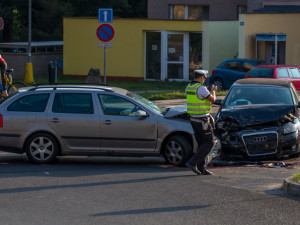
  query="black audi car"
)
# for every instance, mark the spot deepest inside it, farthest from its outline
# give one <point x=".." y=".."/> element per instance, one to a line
<point x="259" y="118"/>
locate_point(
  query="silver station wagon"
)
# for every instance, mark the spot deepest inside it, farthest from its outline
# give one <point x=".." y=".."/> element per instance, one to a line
<point x="92" y="120"/>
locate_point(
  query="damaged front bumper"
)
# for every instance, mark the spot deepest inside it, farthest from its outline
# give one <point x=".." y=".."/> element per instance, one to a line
<point x="260" y="143"/>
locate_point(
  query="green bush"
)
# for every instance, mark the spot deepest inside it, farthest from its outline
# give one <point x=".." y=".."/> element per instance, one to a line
<point x="296" y="177"/>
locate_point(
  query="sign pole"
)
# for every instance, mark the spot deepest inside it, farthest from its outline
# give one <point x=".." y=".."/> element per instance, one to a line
<point x="29" y="30"/>
<point x="104" y="65"/>
<point x="105" y="32"/>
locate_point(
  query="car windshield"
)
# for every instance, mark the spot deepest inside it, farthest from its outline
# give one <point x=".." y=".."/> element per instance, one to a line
<point x="145" y="102"/>
<point x="258" y="95"/>
<point x="261" y="72"/>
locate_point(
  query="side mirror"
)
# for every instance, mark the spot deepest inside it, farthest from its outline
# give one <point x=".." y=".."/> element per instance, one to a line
<point x="141" y="114"/>
<point x="218" y="102"/>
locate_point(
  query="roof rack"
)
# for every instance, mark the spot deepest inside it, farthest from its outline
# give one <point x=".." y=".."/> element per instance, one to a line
<point x="49" y="85"/>
<point x="70" y="83"/>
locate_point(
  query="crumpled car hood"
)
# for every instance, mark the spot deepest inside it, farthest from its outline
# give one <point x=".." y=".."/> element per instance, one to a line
<point x="176" y="111"/>
<point x="253" y="115"/>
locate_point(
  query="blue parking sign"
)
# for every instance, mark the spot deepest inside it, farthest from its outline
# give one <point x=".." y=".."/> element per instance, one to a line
<point x="105" y="15"/>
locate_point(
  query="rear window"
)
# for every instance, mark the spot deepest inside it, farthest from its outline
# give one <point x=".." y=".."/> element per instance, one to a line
<point x="261" y="72"/>
<point x="294" y="72"/>
<point x="30" y="103"/>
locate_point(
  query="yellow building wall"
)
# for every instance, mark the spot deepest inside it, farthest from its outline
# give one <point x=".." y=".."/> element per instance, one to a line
<point x="126" y="57"/>
<point x="220" y="42"/>
<point x="272" y="23"/>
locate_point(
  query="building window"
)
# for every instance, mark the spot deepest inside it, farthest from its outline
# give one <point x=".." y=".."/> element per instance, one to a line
<point x="178" y="12"/>
<point x="195" y="53"/>
<point x="153" y="55"/>
<point x="188" y="12"/>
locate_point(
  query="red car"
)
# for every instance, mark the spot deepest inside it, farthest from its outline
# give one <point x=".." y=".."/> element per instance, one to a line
<point x="282" y="72"/>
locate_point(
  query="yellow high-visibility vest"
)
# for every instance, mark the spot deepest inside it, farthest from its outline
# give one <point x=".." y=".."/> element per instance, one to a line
<point x="194" y="104"/>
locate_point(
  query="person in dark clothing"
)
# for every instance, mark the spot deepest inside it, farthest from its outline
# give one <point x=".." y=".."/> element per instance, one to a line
<point x="199" y="101"/>
<point x="3" y="68"/>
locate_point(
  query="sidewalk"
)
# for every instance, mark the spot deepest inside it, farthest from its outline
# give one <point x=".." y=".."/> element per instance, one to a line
<point x="174" y="102"/>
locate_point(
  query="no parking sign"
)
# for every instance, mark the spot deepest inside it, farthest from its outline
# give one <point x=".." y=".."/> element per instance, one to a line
<point x="105" y="32"/>
<point x="1" y="23"/>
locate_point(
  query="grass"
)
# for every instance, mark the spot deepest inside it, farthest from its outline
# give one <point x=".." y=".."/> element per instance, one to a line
<point x="296" y="177"/>
<point x="163" y="95"/>
<point x="152" y="90"/>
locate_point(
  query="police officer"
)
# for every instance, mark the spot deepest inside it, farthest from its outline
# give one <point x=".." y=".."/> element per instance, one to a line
<point x="199" y="101"/>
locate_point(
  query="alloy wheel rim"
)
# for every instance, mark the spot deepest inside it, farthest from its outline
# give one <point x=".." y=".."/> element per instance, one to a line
<point x="218" y="84"/>
<point x="174" y="152"/>
<point x="41" y="148"/>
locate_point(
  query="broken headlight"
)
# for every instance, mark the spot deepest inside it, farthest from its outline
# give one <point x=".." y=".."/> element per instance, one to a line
<point x="289" y="128"/>
<point x="220" y="125"/>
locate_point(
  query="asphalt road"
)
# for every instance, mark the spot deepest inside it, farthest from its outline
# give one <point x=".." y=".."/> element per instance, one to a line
<point x="106" y="190"/>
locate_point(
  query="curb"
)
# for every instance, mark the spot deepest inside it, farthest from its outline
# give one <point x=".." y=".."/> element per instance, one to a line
<point x="291" y="186"/>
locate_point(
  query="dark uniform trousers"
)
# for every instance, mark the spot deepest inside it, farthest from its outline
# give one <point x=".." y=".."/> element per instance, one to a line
<point x="204" y="134"/>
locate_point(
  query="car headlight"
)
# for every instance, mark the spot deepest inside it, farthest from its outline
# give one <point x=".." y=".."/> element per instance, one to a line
<point x="220" y="124"/>
<point x="289" y="128"/>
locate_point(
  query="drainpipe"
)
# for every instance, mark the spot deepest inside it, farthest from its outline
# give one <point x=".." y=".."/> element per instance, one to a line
<point x="276" y="49"/>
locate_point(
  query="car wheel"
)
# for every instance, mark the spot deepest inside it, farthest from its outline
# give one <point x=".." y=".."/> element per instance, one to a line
<point x="177" y="150"/>
<point x="41" y="148"/>
<point x="219" y="83"/>
<point x="296" y="155"/>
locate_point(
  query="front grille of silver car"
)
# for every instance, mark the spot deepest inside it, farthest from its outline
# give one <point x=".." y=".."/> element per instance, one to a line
<point x="260" y="143"/>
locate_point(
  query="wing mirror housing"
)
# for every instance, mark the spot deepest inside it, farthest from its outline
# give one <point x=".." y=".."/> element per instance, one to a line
<point x="141" y="114"/>
<point x="218" y="102"/>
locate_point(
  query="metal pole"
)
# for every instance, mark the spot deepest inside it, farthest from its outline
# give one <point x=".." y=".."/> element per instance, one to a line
<point x="29" y="31"/>
<point x="104" y="65"/>
<point x="276" y="49"/>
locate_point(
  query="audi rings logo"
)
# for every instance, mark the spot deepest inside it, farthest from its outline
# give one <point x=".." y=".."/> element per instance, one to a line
<point x="260" y="139"/>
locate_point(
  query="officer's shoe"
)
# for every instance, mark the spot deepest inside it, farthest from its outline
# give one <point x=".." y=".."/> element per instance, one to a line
<point x="204" y="171"/>
<point x="193" y="168"/>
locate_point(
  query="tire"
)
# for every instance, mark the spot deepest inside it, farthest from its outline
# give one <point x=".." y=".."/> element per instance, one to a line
<point x="177" y="150"/>
<point x="219" y="83"/>
<point x="11" y="90"/>
<point x="296" y="155"/>
<point x="41" y="148"/>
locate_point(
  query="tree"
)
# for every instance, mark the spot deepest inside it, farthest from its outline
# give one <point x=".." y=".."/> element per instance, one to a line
<point x="10" y="15"/>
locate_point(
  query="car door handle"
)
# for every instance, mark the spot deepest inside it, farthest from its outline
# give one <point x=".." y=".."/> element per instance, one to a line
<point x="55" y="120"/>
<point x="107" y="122"/>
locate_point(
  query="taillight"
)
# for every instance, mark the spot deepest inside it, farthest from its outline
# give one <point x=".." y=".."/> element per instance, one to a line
<point x="213" y="71"/>
<point x="1" y="120"/>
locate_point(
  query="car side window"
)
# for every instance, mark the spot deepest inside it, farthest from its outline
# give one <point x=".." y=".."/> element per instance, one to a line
<point x="232" y="66"/>
<point x="81" y="103"/>
<point x="117" y="106"/>
<point x="246" y="66"/>
<point x="30" y="103"/>
<point x="294" y="72"/>
<point x="282" y="73"/>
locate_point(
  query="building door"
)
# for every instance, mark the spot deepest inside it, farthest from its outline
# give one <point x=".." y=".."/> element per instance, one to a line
<point x="176" y="52"/>
<point x="167" y="55"/>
